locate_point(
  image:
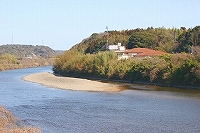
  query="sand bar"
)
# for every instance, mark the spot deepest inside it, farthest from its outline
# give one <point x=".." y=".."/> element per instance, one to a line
<point x="69" y="83"/>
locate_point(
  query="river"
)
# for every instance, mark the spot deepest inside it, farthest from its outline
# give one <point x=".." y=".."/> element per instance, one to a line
<point x="63" y="111"/>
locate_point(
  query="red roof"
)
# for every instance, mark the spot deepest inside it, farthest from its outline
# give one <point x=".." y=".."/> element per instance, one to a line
<point x="144" y="52"/>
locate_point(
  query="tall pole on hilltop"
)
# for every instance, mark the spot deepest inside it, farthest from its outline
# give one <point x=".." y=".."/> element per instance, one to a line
<point x="107" y="34"/>
<point x="107" y="28"/>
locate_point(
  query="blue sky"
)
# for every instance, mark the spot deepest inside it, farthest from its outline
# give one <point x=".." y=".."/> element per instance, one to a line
<point x="60" y="24"/>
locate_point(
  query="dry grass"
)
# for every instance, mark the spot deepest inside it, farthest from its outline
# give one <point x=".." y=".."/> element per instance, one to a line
<point x="8" y="124"/>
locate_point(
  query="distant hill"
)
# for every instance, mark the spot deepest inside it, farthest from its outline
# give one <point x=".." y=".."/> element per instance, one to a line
<point x="21" y="51"/>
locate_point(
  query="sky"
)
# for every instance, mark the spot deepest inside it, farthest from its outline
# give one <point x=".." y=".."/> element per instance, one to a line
<point x="60" y="24"/>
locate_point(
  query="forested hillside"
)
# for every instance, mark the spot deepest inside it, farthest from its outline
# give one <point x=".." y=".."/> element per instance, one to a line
<point x="180" y="67"/>
<point x="21" y="51"/>
<point x="169" y="40"/>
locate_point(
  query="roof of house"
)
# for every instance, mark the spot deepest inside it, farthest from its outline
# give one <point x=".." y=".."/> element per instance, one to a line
<point x="144" y="52"/>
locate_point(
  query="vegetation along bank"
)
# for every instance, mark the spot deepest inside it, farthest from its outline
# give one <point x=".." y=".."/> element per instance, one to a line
<point x="9" y="124"/>
<point x="179" y="66"/>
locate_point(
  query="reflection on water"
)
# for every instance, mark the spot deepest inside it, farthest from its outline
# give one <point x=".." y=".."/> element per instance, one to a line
<point x="172" y="90"/>
<point x="59" y="111"/>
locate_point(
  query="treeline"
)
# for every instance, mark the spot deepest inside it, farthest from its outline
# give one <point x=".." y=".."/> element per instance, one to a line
<point x="170" y="69"/>
<point x="169" y="40"/>
<point x="9" y="61"/>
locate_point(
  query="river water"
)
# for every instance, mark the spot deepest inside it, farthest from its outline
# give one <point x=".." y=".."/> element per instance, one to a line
<point x="63" y="111"/>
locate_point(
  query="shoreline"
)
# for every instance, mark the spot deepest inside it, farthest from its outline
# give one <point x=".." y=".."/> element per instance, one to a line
<point x="70" y="83"/>
<point x="98" y="85"/>
<point x="10" y="124"/>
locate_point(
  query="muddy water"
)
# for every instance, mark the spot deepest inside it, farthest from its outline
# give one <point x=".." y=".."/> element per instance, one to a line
<point x="63" y="111"/>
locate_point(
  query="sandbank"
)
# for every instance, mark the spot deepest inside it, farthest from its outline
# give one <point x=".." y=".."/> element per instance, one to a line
<point x="69" y="83"/>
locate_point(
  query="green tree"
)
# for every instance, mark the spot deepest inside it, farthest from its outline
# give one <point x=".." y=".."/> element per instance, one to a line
<point x="188" y="39"/>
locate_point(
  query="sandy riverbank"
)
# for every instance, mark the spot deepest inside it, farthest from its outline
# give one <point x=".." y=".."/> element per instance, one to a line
<point x="70" y="83"/>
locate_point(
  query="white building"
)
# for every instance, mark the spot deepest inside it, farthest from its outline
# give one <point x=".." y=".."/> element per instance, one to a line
<point x="115" y="47"/>
<point x="119" y="49"/>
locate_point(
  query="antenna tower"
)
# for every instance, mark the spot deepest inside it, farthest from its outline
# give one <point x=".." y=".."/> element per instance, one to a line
<point x="107" y="34"/>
